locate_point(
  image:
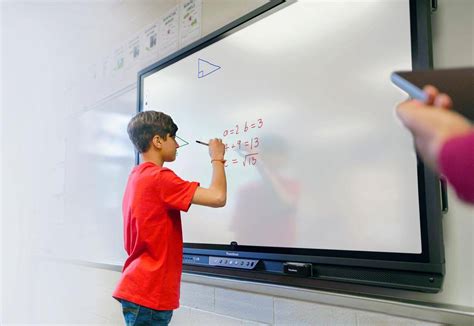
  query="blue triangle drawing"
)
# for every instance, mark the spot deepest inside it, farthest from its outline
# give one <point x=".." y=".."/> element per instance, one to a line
<point x="206" y="68"/>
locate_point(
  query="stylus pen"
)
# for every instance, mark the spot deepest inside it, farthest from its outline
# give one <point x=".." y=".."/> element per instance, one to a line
<point x="414" y="91"/>
<point x="202" y="143"/>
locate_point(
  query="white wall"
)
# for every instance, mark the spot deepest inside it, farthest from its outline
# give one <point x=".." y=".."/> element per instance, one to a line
<point x="453" y="46"/>
<point x="47" y="48"/>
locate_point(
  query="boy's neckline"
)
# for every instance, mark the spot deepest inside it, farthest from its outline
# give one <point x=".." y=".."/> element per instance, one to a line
<point x="148" y="163"/>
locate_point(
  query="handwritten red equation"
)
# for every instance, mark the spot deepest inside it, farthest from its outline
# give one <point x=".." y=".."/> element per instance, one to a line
<point x="246" y="127"/>
<point x="241" y="147"/>
<point x="247" y="160"/>
<point x="239" y="144"/>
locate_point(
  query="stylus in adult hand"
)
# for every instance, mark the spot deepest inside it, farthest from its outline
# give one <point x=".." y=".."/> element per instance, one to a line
<point x="414" y="91"/>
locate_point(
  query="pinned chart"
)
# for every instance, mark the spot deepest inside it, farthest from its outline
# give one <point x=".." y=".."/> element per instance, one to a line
<point x="206" y="68"/>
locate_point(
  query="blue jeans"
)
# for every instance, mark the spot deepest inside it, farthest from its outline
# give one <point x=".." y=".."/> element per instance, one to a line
<point x="136" y="315"/>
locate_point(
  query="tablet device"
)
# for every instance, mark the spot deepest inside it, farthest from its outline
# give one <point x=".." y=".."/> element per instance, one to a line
<point x="458" y="83"/>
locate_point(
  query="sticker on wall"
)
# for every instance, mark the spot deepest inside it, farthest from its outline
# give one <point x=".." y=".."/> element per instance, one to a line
<point x="134" y="50"/>
<point x="149" y="40"/>
<point x="119" y="59"/>
<point x="106" y="67"/>
<point x="190" y="21"/>
<point x="168" y="32"/>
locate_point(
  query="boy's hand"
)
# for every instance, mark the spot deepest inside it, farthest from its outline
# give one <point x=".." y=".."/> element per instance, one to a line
<point x="216" y="149"/>
<point x="216" y="194"/>
<point x="432" y="123"/>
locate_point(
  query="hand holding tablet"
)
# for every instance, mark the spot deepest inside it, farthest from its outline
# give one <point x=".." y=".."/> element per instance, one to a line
<point x="458" y="83"/>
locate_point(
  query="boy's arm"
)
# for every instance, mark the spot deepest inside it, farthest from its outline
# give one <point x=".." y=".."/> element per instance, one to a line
<point x="216" y="194"/>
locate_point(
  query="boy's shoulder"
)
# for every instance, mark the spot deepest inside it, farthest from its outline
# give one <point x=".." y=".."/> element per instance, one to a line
<point x="153" y="170"/>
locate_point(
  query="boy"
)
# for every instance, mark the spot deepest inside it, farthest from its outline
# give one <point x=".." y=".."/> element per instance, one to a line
<point x="154" y="196"/>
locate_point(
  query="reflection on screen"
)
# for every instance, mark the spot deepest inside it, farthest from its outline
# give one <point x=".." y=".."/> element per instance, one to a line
<point x="98" y="162"/>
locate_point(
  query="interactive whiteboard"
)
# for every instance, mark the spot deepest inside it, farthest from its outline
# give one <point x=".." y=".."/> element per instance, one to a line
<point x="316" y="158"/>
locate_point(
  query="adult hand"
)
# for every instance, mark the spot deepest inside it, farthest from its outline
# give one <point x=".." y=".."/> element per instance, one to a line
<point x="432" y="123"/>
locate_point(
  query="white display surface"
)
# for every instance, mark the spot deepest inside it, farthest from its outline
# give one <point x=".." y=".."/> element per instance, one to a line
<point x="305" y="94"/>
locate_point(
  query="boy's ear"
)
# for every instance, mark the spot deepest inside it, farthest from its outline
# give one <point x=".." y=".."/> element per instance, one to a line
<point x="157" y="141"/>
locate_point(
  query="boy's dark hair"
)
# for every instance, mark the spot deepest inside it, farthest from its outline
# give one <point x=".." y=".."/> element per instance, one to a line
<point x="146" y="125"/>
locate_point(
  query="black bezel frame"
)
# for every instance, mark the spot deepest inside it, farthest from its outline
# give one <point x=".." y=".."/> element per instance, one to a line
<point x="430" y="261"/>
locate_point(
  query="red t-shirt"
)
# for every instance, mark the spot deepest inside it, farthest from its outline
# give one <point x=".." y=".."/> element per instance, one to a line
<point x="151" y="207"/>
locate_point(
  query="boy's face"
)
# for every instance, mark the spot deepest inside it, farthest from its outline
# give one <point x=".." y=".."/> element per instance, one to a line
<point x="169" y="147"/>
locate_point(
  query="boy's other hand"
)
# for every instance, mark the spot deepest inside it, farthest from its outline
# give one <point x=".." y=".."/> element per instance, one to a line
<point x="432" y="123"/>
<point x="216" y="149"/>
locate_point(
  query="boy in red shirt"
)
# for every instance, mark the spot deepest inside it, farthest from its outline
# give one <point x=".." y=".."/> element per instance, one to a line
<point x="153" y="199"/>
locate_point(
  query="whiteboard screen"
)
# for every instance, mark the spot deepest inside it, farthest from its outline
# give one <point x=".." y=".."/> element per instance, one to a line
<point x="316" y="157"/>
